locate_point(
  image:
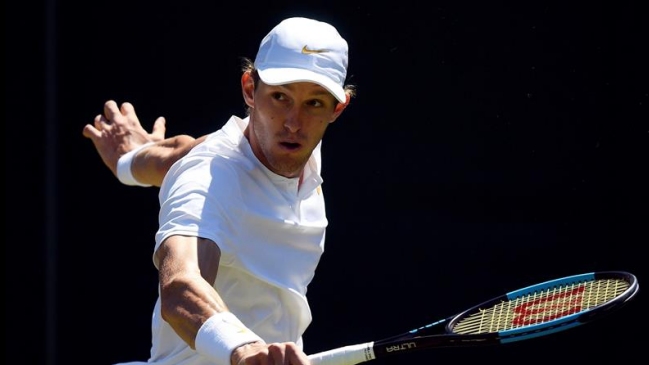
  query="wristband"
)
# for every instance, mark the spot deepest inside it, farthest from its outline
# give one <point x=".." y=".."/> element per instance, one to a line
<point x="220" y="335"/>
<point x="124" y="174"/>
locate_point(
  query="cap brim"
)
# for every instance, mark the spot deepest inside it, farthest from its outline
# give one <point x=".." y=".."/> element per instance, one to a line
<point x="279" y="76"/>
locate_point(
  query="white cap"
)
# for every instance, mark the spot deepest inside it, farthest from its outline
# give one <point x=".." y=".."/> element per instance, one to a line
<point x="304" y="50"/>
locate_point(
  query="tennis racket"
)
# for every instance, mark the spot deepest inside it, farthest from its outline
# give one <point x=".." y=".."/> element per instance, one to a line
<point x="530" y="312"/>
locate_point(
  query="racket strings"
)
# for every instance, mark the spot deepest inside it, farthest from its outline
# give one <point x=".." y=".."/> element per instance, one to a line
<point x="542" y="306"/>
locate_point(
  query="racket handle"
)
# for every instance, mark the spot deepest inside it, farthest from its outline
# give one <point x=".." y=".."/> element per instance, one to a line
<point x="348" y="355"/>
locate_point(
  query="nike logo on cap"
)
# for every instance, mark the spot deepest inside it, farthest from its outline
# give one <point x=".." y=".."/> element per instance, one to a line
<point x="306" y="50"/>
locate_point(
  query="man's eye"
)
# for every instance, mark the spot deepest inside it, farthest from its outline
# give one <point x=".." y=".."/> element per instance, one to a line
<point x="278" y="96"/>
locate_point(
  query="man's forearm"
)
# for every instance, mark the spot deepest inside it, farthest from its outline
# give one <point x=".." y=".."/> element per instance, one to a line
<point x="150" y="165"/>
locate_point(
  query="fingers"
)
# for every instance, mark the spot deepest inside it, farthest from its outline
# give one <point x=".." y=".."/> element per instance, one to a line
<point x="276" y="353"/>
<point x="101" y="122"/>
<point x="91" y="132"/>
<point x="159" y="128"/>
<point x="94" y="131"/>
<point x="111" y="110"/>
<point x="295" y="355"/>
<point x="127" y="108"/>
<point x="286" y="353"/>
<point x="270" y="354"/>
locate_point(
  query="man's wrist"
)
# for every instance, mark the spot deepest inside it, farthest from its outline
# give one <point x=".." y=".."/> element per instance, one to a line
<point x="124" y="173"/>
<point x="220" y="335"/>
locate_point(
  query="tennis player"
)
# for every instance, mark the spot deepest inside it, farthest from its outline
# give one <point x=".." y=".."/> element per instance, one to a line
<point x="242" y="214"/>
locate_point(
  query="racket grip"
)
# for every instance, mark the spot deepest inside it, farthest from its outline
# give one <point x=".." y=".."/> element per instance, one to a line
<point x="348" y="355"/>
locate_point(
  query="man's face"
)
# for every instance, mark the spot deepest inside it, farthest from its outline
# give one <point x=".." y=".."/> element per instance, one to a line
<point x="287" y="122"/>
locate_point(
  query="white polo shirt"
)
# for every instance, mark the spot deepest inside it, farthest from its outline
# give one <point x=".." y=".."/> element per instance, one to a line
<point x="271" y="235"/>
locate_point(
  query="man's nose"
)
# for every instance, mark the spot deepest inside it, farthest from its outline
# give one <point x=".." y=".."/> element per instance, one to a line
<point x="293" y="121"/>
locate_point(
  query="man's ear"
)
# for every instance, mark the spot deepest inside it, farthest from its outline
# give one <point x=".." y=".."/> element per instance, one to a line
<point x="248" y="89"/>
<point x="340" y="107"/>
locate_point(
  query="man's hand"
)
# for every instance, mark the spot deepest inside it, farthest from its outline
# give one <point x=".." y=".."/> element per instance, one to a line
<point x="274" y="353"/>
<point x="119" y="131"/>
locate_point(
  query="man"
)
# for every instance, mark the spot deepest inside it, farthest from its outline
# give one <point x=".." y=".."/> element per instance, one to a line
<point x="242" y="217"/>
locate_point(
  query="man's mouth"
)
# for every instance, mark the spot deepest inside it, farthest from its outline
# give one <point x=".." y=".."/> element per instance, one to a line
<point x="290" y="145"/>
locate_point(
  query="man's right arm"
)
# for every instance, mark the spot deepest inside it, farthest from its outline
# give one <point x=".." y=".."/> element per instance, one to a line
<point x="187" y="269"/>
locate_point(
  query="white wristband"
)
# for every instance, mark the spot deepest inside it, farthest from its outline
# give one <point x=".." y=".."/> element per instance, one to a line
<point x="124" y="174"/>
<point x="220" y="335"/>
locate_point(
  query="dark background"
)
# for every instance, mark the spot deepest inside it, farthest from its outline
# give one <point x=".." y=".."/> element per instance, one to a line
<point x="491" y="146"/>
